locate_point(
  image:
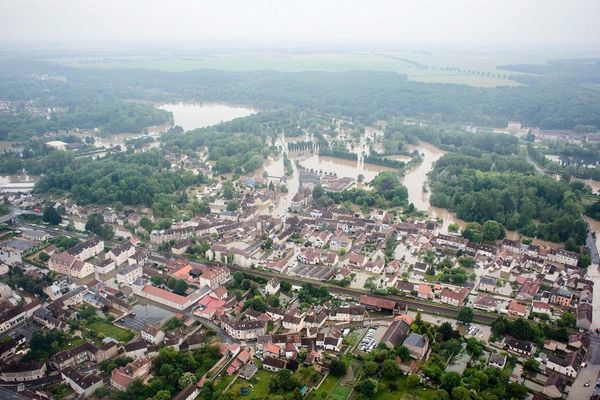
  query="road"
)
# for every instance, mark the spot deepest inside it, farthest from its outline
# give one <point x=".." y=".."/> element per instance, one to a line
<point x="411" y="303"/>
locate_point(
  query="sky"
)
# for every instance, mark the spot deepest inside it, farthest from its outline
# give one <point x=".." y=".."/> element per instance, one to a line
<point x="513" y="23"/>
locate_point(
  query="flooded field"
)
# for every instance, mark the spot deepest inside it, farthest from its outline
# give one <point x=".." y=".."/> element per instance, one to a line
<point x="199" y="115"/>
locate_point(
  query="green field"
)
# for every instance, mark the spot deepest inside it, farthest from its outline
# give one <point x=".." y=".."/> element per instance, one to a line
<point x="104" y="329"/>
<point x="474" y="68"/>
<point x="259" y="386"/>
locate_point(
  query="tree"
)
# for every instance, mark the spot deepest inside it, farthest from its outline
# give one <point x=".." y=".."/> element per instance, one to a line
<point x="180" y="287"/>
<point x="461" y="393"/>
<point x="453" y="227"/>
<point x="465" y="315"/>
<point x="441" y="394"/>
<point x="370" y="368"/>
<point x="162" y="395"/>
<point x="567" y="319"/>
<point x="389" y="369"/>
<point x="467" y="262"/>
<point x="43" y="256"/>
<point x="450" y="380"/>
<point x="95" y="224"/>
<point x="187" y="378"/>
<point x="157" y="280"/>
<point x="492" y="230"/>
<point x="228" y="190"/>
<point x="337" y="368"/>
<point x="51" y="216"/>
<point x="531" y="365"/>
<point x="232" y="206"/>
<point x="445" y="331"/>
<point x="367" y="387"/>
<point x="403" y="353"/>
<point x="516" y="391"/>
<point x="413" y="381"/>
<point x="146" y="224"/>
<point x="285" y="286"/>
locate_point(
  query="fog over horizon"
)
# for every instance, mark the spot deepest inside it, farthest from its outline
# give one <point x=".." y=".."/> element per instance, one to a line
<point x="511" y="24"/>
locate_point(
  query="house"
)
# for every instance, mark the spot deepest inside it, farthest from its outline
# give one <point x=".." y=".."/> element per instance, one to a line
<point x="189" y="392"/>
<point x="273" y="364"/>
<point x="356" y="260"/>
<point x="85" y="352"/>
<point x="215" y="277"/>
<point x="517" y="309"/>
<point x="17" y="314"/>
<point x="121" y="253"/>
<point x="417" y="345"/>
<point x="375" y="267"/>
<point x="122" y="377"/>
<point x="518" y="346"/>
<point x="271" y="350"/>
<point x="485" y="303"/>
<point x="584" y="315"/>
<point x="564" y="257"/>
<point x="405" y="287"/>
<point x="487" y="284"/>
<point x="498" y="360"/>
<point x="395" y="333"/>
<point x="22" y="372"/>
<point x="348" y="314"/>
<point x="293" y="323"/>
<point x="539" y="307"/>
<point x="455" y="298"/>
<point x="568" y="364"/>
<point x="272" y="286"/>
<point x="555" y="386"/>
<point x="424" y="291"/>
<point x="129" y="273"/>
<point x="244" y="330"/>
<point x="152" y="334"/>
<point x="87" y="249"/>
<point x="420" y="268"/>
<point x="562" y="297"/>
<point x="82" y="384"/>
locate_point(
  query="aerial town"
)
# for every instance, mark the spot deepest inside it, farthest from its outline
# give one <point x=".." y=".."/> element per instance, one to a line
<point x="299" y="200"/>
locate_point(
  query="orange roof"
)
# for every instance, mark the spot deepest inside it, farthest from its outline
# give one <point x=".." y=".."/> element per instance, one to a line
<point x="183" y="272"/>
<point x="158" y="292"/>
<point x="272" y="348"/>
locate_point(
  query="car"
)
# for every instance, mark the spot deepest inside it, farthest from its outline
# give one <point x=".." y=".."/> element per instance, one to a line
<point x="587" y="384"/>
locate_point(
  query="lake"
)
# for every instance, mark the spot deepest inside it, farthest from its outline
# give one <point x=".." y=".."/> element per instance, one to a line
<point x="199" y="115"/>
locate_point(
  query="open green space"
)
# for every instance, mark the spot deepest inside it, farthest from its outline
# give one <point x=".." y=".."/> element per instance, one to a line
<point x="104" y="329"/>
<point x="258" y="385"/>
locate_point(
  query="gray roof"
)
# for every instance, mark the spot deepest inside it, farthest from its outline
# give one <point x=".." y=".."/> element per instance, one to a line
<point x="415" y="340"/>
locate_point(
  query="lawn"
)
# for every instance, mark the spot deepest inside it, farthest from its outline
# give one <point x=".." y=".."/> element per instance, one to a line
<point x="384" y="392"/>
<point x="104" y="329"/>
<point x="60" y="391"/>
<point x="326" y="387"/>
<point x="340" y="392"/>
<point x="259" y="386"/>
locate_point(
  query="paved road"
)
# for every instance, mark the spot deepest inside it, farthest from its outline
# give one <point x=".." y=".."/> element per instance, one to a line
<point x="411" y="303"/>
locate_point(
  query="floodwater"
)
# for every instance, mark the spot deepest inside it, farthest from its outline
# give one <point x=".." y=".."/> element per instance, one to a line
<point x="341" y="167"/>
<point x="18" y="178"/>
<point x="199" y="115"/>
<point x="595" y="185"/>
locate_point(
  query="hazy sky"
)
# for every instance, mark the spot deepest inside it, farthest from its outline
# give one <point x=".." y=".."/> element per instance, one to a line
<point x="270" y="22"/>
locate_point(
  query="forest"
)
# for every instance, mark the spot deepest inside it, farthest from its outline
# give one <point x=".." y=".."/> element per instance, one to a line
<point x="537" y="206"/>
<point x="363" y="95"/>
<point x="130" y="179"/>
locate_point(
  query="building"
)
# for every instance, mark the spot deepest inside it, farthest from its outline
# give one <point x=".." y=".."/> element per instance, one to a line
<point x="457" y="298"/>
<point x="22" y="372"/>
<point x="84" y="385"/>
<point x="395" y="334"/>
<point x="498" y="360"/>
<point x="487" y="284"/>
<point x="215" y="277"/>
<point x="272" y="286"/>
<point x="152" y="334"/>
<point x="17" y="314"/>
<point x="584" y="315"/>
<point x="121" y="252"/>
<point x="564" y="257"/>
<point x="594" y="350"/>
<point x="87" y="249"/>
<point x="518" y="346"/>
<point x="568" y="364"/>
<point x="122" y="377"/>
<point x="129" y="273"/>
<point x="180" y="303"/>
<point x="417" y="345"/>
<point x="485" y="303"/>
<point x="517" y="309"/>
<point x="244" y="330"/>
<point x="85" y="352"/>
<point x="377" y="303"/>
<point x="273" y="364"/>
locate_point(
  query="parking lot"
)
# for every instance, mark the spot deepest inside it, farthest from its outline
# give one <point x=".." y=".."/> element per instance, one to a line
<point x="371" y="339"/>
